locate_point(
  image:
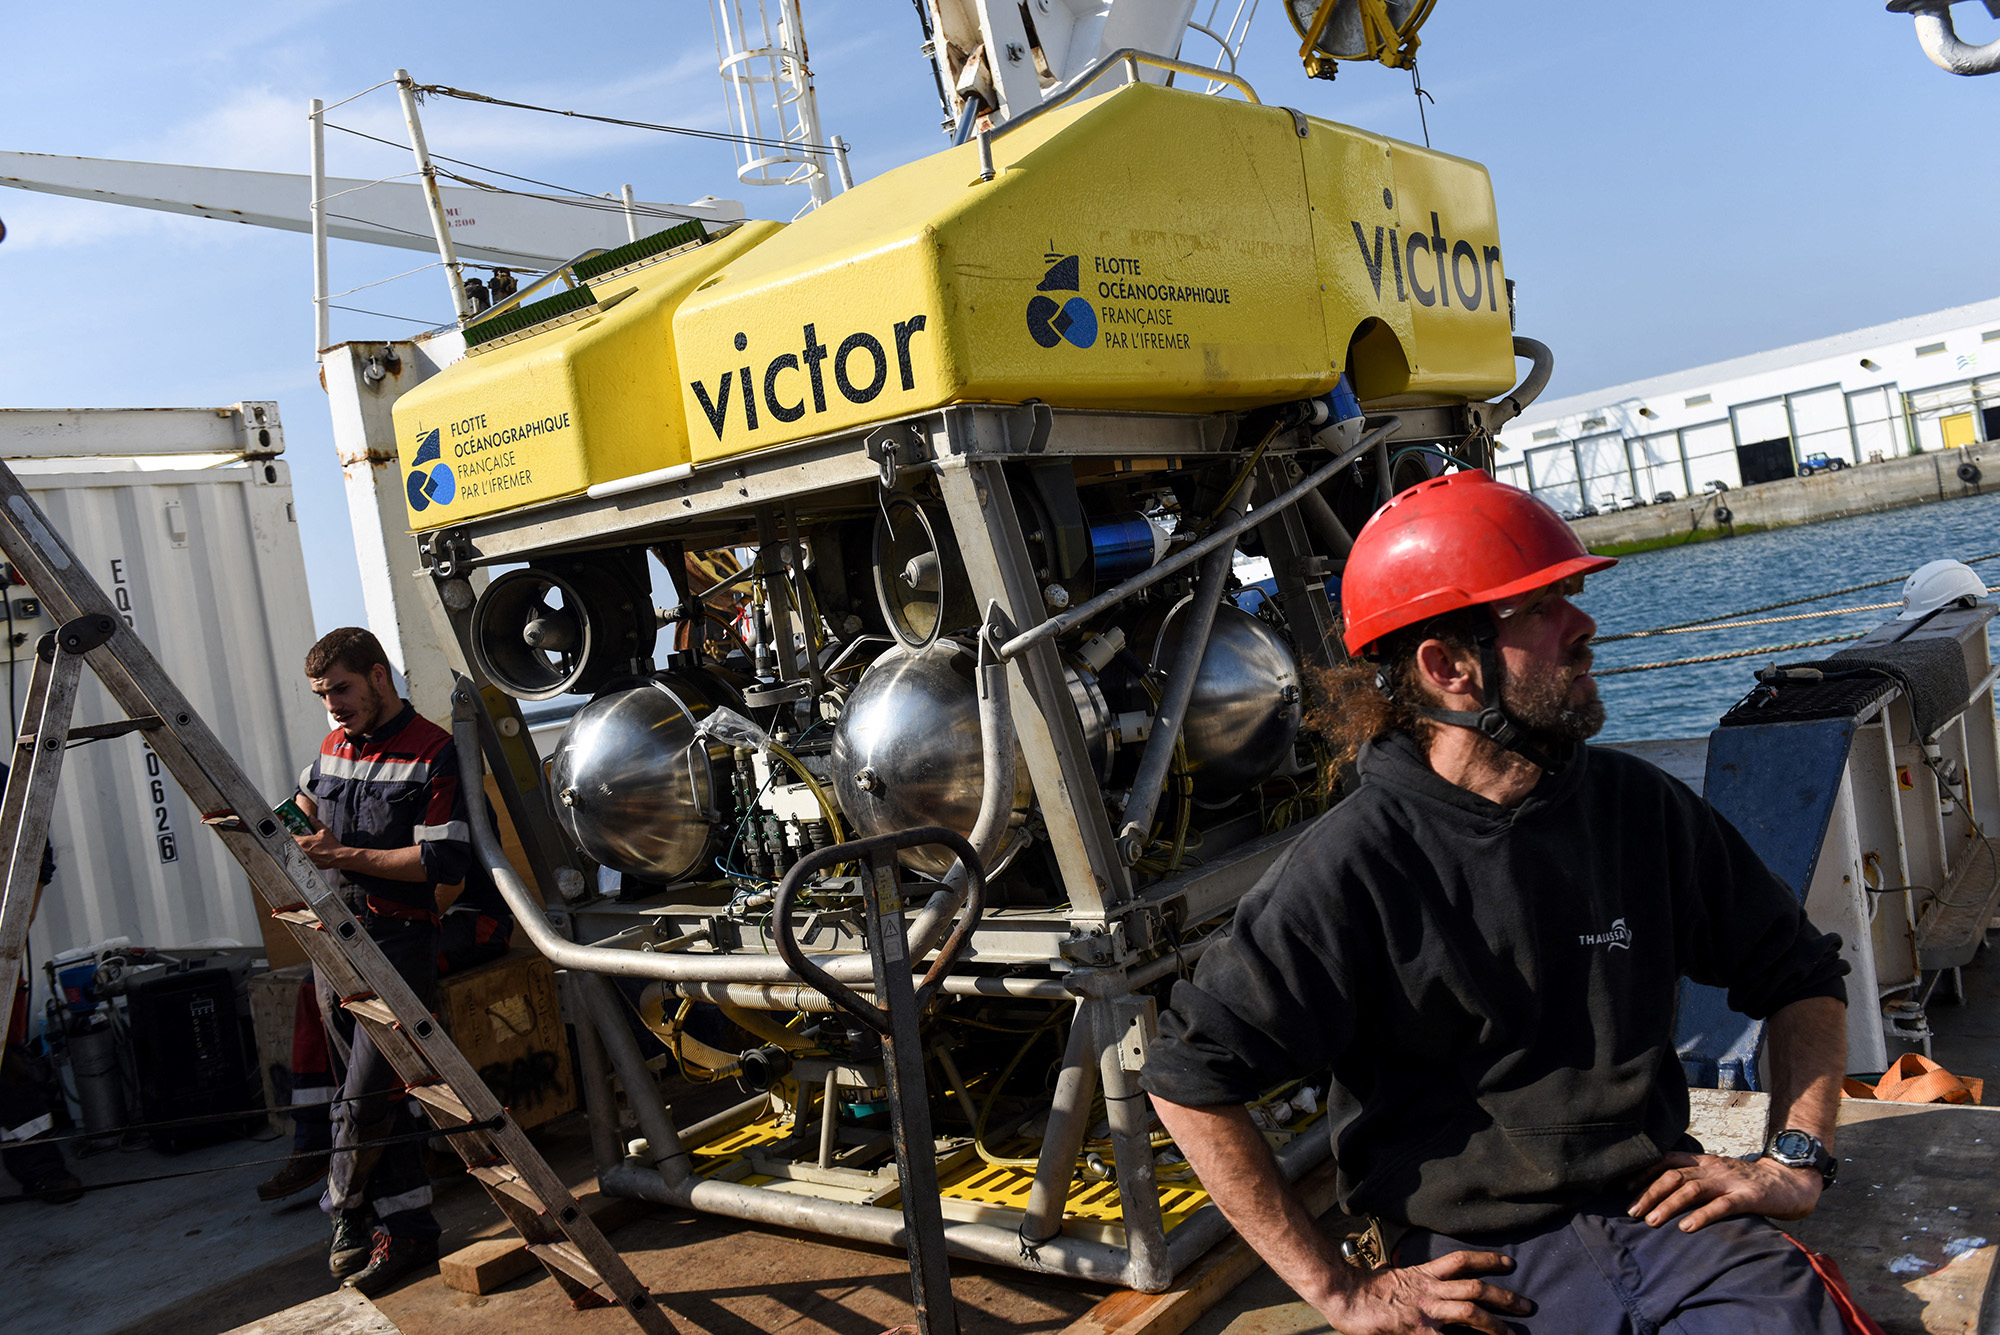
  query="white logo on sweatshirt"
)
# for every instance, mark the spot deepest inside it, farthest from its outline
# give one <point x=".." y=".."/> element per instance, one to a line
<point x="1618" y="938"/>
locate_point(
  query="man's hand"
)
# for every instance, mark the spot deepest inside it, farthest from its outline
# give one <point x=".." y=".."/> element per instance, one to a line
<point x="1432" y="1296"/>
<point x="324" y="850"/>
<point x="1723" y="1187"/>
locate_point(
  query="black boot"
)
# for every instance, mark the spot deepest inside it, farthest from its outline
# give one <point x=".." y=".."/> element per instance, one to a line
<point x="353" y="1238"/>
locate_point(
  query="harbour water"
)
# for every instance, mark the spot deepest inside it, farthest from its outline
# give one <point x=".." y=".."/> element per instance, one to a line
<point x="1680" y="584"/>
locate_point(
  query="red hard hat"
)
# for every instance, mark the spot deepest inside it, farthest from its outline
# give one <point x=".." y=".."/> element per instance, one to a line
<point x="1454" y="541"/>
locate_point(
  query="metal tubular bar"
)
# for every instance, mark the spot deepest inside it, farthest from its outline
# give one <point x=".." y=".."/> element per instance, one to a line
<point x="322" y="315"/>
<point x="829" y="1107"/>
<point x="641" y="1090"/>
<point x="1095" y="1261"/>
<point x="776" y="594"/>
<point x="1150" y="783"/>
<point x="1127" y="56"/>
<point x="1000" y="569"/>
<point x="958" y="1090"/>
<point x="1062" y="1137"/>
<point x="1131" y="1118"/>
<point x="440" y="226"/>
<point x="600" y="1109"/>
<point x="1287" y="544"/>
<point x="1326" y="525"/>
<point x="729" y="1119"/>
<point x="1229" y="532"/>
<point x="796" y="996"/>
<point x="631" y="212"/>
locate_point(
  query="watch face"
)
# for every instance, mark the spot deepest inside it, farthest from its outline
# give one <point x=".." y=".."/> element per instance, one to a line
<point x="1794" y="1145"/>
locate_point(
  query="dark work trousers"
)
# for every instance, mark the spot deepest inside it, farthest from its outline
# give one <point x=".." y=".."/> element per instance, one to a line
<point x="1605" y="1273"/>
<point x="372" y="1103"/>
<point x="312" y="1075"/>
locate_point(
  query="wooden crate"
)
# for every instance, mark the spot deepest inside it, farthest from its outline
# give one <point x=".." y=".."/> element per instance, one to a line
<point x="506" y="1019"/>
<point x="274" y="999"/>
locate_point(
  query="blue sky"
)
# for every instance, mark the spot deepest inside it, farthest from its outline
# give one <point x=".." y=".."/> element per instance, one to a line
<point x="1676" y="184"/>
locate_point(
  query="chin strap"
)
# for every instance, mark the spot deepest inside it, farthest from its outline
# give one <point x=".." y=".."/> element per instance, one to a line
<point x="1492" y="720"/>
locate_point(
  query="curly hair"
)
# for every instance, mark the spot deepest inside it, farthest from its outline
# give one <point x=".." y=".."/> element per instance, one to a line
<point x="1349" y="706"/>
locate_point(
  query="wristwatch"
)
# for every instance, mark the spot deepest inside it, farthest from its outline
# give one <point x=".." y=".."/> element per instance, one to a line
<point x="1802" y="1149"/>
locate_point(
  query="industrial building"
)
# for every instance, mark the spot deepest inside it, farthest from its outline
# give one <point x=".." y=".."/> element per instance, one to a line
<point x="1923" y="383"/>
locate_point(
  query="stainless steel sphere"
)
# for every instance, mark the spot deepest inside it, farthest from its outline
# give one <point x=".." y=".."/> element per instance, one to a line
<point x="634" y="789"/>
<point x="1245" y="712"/>
<point x="906" y="751"/>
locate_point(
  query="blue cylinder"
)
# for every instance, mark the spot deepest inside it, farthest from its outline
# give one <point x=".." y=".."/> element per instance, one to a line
<point x="1121" y="546"/>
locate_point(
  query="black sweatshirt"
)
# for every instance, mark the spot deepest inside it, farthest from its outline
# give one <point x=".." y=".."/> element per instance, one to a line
<point x="1492" y="988"/>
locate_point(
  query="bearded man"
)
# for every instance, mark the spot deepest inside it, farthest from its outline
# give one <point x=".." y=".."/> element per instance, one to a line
<point x="390" y="819"/>
<point x="1483" y="943"/>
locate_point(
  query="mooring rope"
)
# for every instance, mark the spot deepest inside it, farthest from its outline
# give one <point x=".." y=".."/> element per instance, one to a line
<point x="1739" y="625"/>
<point x="1734" y="653"/>
<point x="1708" y="622"/>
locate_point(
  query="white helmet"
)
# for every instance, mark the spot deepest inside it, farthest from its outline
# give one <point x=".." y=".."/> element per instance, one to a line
<point x="1937" y="584"/>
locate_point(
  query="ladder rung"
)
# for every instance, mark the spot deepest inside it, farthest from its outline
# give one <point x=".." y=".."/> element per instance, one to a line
<point x="566" y="1258"/>
<point x="502" y="1177"/>
<point x="300" y="914"/>
<point x="371" y="1008"/>
<point x="442" y="1099"/>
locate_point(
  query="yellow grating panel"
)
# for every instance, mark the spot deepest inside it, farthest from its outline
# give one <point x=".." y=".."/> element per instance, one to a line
<point x="981" y="1183"/>
<point x="725" y="1150"/>
<point x="1007" y="1188"/>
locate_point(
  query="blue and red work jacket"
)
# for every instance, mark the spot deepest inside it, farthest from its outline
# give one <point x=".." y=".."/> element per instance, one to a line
<point x="394" y="788"/>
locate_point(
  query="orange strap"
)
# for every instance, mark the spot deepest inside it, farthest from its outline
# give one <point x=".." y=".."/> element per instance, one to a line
<point x="1917" y="1079"/>
<point x="1852" y="1317"/>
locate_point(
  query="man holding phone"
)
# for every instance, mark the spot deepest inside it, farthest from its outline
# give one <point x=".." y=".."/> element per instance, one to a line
<point x="389" y="816"/>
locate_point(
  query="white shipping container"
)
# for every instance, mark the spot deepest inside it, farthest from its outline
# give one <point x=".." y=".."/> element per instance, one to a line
<point x="201" y="555"/>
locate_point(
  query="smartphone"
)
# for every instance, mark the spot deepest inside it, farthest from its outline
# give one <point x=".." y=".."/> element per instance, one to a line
<point x="295" y="820"/>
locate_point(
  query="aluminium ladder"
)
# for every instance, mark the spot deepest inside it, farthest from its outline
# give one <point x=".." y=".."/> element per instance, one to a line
<point x="91" y="633"/>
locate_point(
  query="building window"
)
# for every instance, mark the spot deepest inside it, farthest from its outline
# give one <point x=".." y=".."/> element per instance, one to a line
<point x="1550" y="434"/>
<point x="1930" y="349"/>
<point x="1698" y="400"/>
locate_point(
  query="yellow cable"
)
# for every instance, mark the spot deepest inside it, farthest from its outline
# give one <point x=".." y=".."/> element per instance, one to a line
<point x="819" y="794"/>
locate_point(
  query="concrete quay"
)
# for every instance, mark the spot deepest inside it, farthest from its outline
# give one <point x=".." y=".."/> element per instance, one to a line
<point x="1917" y="479"/>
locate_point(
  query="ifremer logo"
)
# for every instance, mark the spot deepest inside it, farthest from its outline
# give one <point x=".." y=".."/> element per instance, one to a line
<point x="430" y="486"/>
<point x="1074" y="320"/>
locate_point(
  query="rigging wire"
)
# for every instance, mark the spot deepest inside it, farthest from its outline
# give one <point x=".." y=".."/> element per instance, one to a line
<point x="384" y="315"/>
<point x="724" y="136"/>
<point x="345" y="100"/>
<point x="434" y="264"/>
<point x="1740" y="625"/>
<point x="582" y="198"/>
<point x="1734" y="653"/>
<point x="1788" y="602"/>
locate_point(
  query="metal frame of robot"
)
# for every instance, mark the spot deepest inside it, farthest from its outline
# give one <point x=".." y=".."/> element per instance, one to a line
<point x="1114" y="938"/>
